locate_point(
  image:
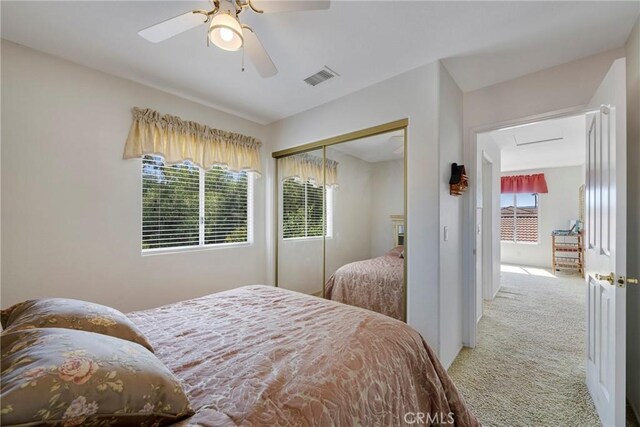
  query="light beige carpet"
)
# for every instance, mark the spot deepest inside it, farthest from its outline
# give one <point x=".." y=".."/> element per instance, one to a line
<point x="528" y="368"/>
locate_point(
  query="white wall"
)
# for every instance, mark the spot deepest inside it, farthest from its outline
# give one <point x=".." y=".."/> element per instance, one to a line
<point x="300" y="265"/>
<point x="411" y="95"/>
<point x="71" y="211"/>
<point x="633" y="216"/>
<point x="557" y="88"/>
<point x="557" y="208"/>
<point x="450" y="144"/>
<point x="387" y="199"/>
<point x="352" y="211"/>
<point x="564" y="87"/>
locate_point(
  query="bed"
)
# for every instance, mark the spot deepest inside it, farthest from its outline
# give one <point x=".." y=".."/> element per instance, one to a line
<point x="376" y="284"/>
<point x="260" y="355"/>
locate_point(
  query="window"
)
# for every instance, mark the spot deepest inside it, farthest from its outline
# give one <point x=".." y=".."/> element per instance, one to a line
<point x="302" y="210"/>
<point x="185" y="206"/>
<point x="519" y="218"/>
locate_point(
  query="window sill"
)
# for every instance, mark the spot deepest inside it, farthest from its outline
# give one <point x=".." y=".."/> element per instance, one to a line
<point x="183" y="249"/>
<point x="520" y="243"/>
<point x="303" y="239"/>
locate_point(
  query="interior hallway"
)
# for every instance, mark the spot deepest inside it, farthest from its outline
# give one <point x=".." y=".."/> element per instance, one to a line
<point x="528" y="368"/>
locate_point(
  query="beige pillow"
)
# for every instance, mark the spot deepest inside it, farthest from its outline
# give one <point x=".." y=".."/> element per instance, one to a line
<point x="398" y="251"/>
<point x="71" y="378"/>
<point x="71" y="314"/>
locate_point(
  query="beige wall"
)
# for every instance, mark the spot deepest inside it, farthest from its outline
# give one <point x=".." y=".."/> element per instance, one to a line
<point x="71" y="207"/>
<point x="633" y="216"/>
<point x="557" y="208"/>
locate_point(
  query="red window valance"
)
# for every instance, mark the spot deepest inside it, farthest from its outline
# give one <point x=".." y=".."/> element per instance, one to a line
<point x="524" y="184"/>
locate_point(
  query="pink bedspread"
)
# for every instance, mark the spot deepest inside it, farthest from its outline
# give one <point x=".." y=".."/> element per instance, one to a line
<point x="264" y="356"/>
<point x="376" y="284"/>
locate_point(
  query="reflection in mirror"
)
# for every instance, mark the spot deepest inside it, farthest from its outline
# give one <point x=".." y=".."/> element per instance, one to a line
<point x="301" y="226"/>
<point x="364" y="253"/>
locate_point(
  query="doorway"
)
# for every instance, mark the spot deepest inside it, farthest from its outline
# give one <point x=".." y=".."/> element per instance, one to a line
<point x="605" y="280"/>
<point x="531" y="178"/>
<point x="530" y="319"/>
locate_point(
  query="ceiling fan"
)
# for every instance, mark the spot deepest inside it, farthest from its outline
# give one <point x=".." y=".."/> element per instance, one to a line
<point x="225" y="29"/>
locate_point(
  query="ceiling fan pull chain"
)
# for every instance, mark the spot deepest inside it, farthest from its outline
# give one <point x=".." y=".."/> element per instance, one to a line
<point x="243" y="60"/>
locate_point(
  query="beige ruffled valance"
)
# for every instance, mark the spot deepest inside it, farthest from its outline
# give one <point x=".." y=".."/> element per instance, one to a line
<point x="177" y="140"/>
<point x="308" y="168"/>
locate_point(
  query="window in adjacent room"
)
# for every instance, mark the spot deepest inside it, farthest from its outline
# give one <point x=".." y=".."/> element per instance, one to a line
<point x="184" y="206"/>
<point x="519" y="218"/>
<point x="302" y="210"/>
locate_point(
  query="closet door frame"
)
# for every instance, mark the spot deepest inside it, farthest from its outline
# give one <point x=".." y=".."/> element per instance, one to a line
<point x="401" y="124"/>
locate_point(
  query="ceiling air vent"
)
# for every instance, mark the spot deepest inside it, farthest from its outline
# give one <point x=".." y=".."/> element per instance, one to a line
<point x="321" y="76"/>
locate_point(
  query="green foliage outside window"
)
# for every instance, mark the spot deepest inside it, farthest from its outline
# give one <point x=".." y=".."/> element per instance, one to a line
<point x="302" y="209"/>
<point x="171" y="205"/>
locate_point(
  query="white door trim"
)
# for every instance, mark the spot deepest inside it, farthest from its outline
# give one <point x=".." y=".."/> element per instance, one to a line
<point x="487" y="227"/>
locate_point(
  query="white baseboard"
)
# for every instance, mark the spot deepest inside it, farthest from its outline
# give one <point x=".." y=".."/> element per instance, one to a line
<point x="496" y="293"/>
<point x="448" y="364"/>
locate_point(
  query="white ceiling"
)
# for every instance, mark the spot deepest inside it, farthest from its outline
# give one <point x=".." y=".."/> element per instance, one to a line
<point x="481" y="43"/>
<point x="564" y="146"/>
<point x="374" y="149"/>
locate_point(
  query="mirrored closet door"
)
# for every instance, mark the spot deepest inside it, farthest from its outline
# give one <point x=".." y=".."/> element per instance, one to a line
<point x="341" y="222"/>
<point x="302" y="222"/>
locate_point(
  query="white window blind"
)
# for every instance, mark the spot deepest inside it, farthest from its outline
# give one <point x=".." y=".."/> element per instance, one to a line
<point x="184" y="206"/>
<point x="226" y="206"/>
<point x="302" y="210"/>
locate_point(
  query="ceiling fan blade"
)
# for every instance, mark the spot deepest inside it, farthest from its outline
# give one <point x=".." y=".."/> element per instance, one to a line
<point x="173" y="26"/>
<point x="271" y="6"/>
<point x="256" y="53"/>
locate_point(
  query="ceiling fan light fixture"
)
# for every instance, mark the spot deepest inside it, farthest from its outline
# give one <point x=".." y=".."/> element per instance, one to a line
<point x="226" y="32"/>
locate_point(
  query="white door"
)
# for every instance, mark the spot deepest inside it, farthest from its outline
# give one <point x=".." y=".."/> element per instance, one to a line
<point x="606" y="247"/>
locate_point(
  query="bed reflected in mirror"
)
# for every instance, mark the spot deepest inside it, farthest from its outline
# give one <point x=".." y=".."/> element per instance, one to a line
<point x="341" y="220"/>
<point x="364" y="264"/>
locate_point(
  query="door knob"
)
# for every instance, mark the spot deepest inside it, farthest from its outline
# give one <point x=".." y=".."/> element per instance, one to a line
<point x="609" y="277"/>
<point x="632" y="281"/>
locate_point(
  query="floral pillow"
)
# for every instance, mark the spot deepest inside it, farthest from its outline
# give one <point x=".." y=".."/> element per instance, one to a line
<point x="71" y="314"/>
<point x="71" y="378"/>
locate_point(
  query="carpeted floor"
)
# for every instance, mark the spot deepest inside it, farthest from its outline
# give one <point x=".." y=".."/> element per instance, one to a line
<point x="528" y="368"/>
